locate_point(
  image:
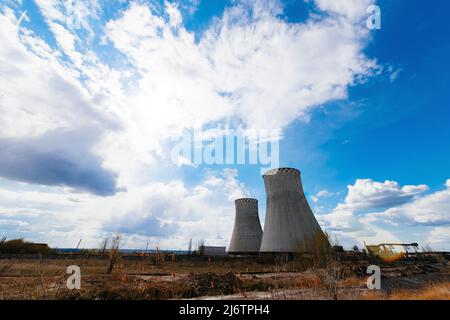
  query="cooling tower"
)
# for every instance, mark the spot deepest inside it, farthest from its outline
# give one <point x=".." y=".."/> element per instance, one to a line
<point x="247" y="232"/>
<point x="290" y="225"/>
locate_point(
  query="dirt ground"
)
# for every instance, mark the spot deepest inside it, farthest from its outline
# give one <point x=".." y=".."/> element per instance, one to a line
<point x="169" y="278"/>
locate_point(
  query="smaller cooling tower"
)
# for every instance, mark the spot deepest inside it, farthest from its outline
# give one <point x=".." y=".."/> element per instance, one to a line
<point x="247" y="231"/>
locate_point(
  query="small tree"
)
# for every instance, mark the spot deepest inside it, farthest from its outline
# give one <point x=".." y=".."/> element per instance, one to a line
<point x="114" y="253"/>
<point x="103" y="245"/>
<point x="327" y="264"/>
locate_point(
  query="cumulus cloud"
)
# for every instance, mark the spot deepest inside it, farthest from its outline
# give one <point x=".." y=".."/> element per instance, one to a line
<point x="352" y="215"/>
<point x="432" y="209"/>
<point x="369" y="194"/>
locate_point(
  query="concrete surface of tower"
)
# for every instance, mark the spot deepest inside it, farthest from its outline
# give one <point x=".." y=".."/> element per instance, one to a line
<point x="290" y="225"/>
<point x="247" y="231"/>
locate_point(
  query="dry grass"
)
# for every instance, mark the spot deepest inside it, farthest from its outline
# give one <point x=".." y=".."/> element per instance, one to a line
<point x="435" y="291"/>
<point x="113" y="254"/>
<point x="5" y="266"/>
<point x="431" y="292"/>
<point x="148" y="265"/>
<point x="123" y="287"/>
<point x="155" y="276"/>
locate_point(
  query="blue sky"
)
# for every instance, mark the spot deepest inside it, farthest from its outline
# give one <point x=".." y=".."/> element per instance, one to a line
<point x="94" y="93"/>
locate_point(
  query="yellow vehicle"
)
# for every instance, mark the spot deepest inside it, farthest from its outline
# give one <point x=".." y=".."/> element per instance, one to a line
<point x="390" y="252"/>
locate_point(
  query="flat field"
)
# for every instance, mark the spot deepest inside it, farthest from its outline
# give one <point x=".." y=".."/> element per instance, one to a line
<point x="173" y="277"/>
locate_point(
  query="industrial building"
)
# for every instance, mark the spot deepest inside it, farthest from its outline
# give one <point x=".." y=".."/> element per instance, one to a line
<point x="212" y="251"/>
<point x="290" y="225"/>
<point x="247" y="231"/>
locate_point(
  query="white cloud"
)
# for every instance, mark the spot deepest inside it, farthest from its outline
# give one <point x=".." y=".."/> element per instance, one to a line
<point x="74" y="14"/>
<point x="439" y="237"/>
<point x="393" y="72"/>
<point x="432" y="209"/>
<point x="66" y="41"/>
<point x="394" y="75"/>
<point x="352" y="9"/>
<point x="175" y="18"/>
<point x="363" y="196"/>
<point x="35" y="86"/>
<point x="369" y="194"/>
<point x="324" y="193"/>
<point x="321" y="194"/>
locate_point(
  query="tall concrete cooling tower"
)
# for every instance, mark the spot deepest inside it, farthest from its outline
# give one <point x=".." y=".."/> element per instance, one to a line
<point x="290" y="225"/>
<point x="247" y="231"/>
